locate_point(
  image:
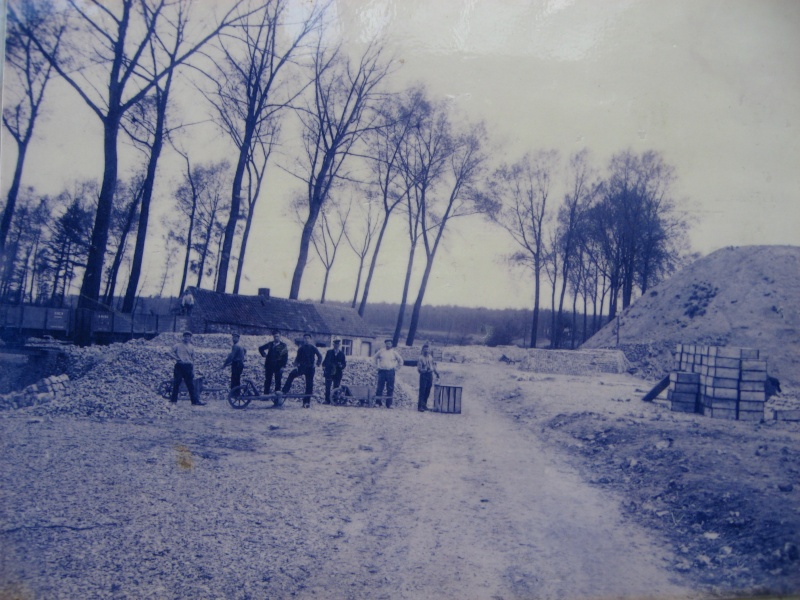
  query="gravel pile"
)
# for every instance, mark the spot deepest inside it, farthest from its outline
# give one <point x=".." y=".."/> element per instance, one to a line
<point x="121" y="380"/>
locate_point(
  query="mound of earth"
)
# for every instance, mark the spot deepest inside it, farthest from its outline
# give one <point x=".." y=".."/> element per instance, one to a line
<point x="746" y="296"/>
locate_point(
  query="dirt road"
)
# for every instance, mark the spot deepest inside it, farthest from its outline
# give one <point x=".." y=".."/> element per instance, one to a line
<point x="327" y="503"/>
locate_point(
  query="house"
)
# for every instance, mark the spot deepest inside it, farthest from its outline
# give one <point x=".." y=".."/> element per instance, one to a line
<point x="214" y="312"/>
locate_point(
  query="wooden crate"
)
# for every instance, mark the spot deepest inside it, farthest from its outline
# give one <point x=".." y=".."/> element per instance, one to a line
<point x="447" y="399"/>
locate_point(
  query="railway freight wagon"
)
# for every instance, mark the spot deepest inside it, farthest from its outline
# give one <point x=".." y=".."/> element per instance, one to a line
<point x="20" y="321"/>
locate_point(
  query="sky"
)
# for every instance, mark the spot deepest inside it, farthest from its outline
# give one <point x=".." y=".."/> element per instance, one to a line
<point x="712" y="85"/>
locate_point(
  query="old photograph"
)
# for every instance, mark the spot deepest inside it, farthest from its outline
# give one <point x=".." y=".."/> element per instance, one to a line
<point x="362" y="299"/>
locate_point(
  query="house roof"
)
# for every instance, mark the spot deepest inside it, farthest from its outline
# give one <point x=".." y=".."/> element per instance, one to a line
<point x="278" y="313"/>
<point x="343" y="321"/>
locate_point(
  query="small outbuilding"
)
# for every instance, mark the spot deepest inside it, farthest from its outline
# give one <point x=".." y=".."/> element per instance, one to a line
<point x="215" y="312"/>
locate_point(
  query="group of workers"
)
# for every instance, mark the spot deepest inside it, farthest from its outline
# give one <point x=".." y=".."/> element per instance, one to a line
<point x="308" y="357"/>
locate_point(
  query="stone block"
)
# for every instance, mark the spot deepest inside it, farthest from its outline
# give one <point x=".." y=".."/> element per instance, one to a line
<point x="722" y="372"/>
<point x="748" y="405"/>
<point x="753" y="376"/>
<point x="751" y="386"/>
<point x="787" y="415"/>
<point x="686" y="388"/>
<point x="754" y="396"/>
<point x="685" y="407"/>
<point x="682" y="377"/>
<point x="681" y="396"/>
<point x="751" y="415"/>
<point x="754" y="365"/>
<point x="720" y="413"/>
<point x="721" y="403"/>
<point x="725" y="363"/>
<point x="720" y="392"/>
<point x="720" y="382"/>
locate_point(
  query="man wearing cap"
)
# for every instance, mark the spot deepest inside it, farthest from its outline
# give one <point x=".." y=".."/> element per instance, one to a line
<point x="427" y="369"/>
<point x="183" y="353"/>
<point x="388" y="360"/>
<point x="236" y="361"/>
<point x="307" y="353"/>
<point x="333" y="368"/>
<point x="276" y="355"/>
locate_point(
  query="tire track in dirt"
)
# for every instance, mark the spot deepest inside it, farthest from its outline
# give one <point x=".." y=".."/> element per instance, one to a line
<point x="473" y="506"/>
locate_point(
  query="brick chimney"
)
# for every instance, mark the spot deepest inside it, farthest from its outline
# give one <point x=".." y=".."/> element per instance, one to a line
<point x="263" y="292"/>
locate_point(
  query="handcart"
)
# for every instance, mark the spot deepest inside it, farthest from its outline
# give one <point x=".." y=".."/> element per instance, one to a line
<point x="165" y="388"/>
<point x="243" y="395"/>
<point x="356" y="395"/>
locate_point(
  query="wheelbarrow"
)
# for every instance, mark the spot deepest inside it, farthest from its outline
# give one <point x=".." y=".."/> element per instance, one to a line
<point x="165" y="388"/>
<point x="242" y="395"/>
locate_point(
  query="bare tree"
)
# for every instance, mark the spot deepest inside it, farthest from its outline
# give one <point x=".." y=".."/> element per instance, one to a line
<point x="203" y="201"/>
<point x="636" y="225"/>
<point x="400" y="115"/>
<point x="422" y="160"/>
<point x="27" y="234"/>
<point x="123" y="217"/>
<point x="248" y="94"/>
<point x="146" y="124"/>
<point x="67" y="247"/>
<point x="522" y="191"/>
<point x="571" y="215"/>
<point x="361" y="245"/>
<point x="465" y="167"/>
<point x="25" y="82"/>
<point x="327" y="238"/>
<point x="342" y="111"/>
<point x="102" y="61"/>
<point x="256" y="168"/>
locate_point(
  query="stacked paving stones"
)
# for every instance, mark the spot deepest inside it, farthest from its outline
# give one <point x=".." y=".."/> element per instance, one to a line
<point x="726" y="382"/>
<point x="41" y="392"/>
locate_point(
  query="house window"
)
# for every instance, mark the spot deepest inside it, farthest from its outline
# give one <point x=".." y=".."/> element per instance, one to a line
<point x="347" y="346"/>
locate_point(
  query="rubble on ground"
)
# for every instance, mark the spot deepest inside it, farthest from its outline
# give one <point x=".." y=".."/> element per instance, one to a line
<point x="122" y="380"/>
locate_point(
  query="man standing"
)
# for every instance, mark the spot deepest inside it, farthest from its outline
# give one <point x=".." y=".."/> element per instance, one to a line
<point x="187" y="303"/>
<point x="183" y="353"/>
<point x="236" y="361"/>
<point x="427" y="369"/>
<point x="304" y="365"/>
<point x="333" y="368"/>
<point x="388" y="360"/>
<point x="276" y="354"/>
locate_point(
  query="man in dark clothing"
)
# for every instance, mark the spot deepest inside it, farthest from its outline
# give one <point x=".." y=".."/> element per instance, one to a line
<point x="236" y="361"/>
<point x="276" y="354"/>
<point x="183" y="353"/>
<point x="426" y="366"/>
<point x="304" y="365"/>
<point x="333" y="367"/>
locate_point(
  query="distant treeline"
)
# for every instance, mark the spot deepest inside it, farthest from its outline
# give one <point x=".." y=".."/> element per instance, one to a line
<point x="460" y="325"/>
<point x="452" y="325"/>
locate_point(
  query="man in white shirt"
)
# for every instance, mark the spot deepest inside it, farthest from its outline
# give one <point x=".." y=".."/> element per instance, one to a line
<point x="388" y="360"/>
<point x="183" y="353"/>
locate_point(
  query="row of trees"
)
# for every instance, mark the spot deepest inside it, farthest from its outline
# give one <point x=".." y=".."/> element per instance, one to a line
<point x="609" y="237"/>
<point x="369" y="158"/>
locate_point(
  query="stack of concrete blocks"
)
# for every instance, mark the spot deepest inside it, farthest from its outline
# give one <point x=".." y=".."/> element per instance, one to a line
<point x="732" y="381"/>
<point x="684" y="392"/>
<point x="41" y="392"/>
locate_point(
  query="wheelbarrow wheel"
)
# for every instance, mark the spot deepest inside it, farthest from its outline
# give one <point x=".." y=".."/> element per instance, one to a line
<point x="165" y="389"/>
<point x="241" y="395"/>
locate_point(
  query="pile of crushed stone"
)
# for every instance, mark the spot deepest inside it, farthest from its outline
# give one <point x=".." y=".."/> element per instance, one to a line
<point x="122" y="380"/>
<point x="746" y="297"/>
